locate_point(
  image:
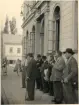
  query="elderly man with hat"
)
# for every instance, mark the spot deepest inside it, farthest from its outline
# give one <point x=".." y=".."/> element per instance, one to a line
<point x="70" y="78"/>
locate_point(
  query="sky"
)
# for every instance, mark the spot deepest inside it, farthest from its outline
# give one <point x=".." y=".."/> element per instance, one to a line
<point x="11" y="8"/>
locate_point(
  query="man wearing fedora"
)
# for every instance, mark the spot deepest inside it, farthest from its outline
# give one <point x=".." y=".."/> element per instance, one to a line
<point x="70" y="78"/>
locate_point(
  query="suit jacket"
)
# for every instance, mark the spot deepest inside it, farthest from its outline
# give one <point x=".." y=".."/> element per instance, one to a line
<point x="57" y="70"/>
<point x="39" y="64"/>
<point x="31" y="69"/>
<point x="50" y="66"/>
<point x="43" y="67"/>
<point x="71" y="71"/>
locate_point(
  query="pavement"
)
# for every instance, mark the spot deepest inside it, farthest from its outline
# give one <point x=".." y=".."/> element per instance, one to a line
<point x="15" y="94"/>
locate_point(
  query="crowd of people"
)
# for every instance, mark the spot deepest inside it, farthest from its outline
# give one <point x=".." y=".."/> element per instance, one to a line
<point x="57" y="76"/>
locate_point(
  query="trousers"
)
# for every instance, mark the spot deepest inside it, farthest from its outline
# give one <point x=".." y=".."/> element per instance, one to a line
<point x="30" y="88"/>
<point x="51" y="91"/>
<point x="70" y="94"/>
<point x="58" y="91"/>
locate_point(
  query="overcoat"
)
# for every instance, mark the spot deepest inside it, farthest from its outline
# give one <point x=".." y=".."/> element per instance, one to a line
<point x="70" y="88"/>
<point x="32" y="70"/>
<point x="32" y="74"/>
<point x="39" y="64"/>
<point x="57" y="70"/>
<point x="43" y="67"/>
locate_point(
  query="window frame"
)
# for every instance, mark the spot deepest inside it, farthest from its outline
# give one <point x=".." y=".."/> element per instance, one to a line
<point x="18" y="49"/>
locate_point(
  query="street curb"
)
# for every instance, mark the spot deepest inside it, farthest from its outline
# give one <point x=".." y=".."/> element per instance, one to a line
<point x="4" y="99"/>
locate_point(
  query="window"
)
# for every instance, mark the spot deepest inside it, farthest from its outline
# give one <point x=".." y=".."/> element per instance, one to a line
<point x="18" y="50"/>
<point x="11" y="62"/>
<point x="56" y="29"/>
<point x="11" y="49"/>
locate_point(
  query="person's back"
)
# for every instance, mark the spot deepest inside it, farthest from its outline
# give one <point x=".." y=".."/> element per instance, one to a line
<point x="32" y="69"/>
<point x="31" y="76"/>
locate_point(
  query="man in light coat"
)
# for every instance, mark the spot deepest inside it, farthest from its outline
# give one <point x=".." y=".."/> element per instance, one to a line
<point x="70" y="77"/>
<point x="56" y="77"/>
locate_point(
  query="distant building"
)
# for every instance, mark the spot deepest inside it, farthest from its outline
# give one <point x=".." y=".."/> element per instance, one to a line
<point x="49" y="26"/>
<point x="12" y="47"/>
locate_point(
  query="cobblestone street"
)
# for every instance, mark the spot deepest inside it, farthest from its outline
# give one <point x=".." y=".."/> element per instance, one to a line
<point x="12" y="86"/>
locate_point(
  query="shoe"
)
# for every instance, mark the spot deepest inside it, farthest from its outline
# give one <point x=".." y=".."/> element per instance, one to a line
<point x="58" y="102"/>
<point x="23" y="87"/>
<point x="45" y="91"/>
<point x="37" y="88"/>
<point x="53" y="100"/>
<point x="41" y="89"/>
<point x="50" y="94"/>
<point x="28" y="99"/>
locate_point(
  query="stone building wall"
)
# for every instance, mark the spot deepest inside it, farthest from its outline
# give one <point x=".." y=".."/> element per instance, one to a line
<point x="68" y="26"/>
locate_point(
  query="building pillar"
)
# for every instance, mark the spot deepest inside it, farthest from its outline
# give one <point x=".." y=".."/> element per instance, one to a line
<point x="37" y="38"/>
<point x="75" y="25"/>
<point x="50" y="37"/>
<point x="46" y="27"/>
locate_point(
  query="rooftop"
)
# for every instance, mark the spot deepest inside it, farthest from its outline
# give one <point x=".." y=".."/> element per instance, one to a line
<point x="9" y="38"/>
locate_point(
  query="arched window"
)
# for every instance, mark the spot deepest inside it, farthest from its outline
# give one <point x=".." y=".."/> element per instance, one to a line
<point x="27" y="33"/>
<point x="32" y="39"/>
<point x="24" y="45"/>
<point x="42" y="37"/>
<point x="56" y="28"/>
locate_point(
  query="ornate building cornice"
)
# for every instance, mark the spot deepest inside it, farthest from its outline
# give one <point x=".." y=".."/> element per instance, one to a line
<point x="34" y="9"/>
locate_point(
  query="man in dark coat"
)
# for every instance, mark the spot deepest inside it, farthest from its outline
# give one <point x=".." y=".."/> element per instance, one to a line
<point x="56" y="76"/>
<point x="38" y="79"/>
<point x="50" y="66"/>
<point x="31" y="75"/>
<point x="70" y="76"/>
<point x="43" y="68"/>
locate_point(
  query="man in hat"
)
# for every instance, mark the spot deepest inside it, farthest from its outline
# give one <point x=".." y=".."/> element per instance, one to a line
<point x="56" y="77"/>
<point x="31" y="75"/>
<point x="70" y="78"/>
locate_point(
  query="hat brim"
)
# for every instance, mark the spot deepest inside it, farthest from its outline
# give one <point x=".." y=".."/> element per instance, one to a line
<point x="69" y="52"/>
<point x="64" y="52"/>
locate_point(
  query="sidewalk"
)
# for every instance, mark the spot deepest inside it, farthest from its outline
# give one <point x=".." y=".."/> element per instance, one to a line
<point x="12" y="85"/>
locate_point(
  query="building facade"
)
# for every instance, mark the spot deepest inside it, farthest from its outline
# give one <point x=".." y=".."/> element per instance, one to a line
<point x="49" y="26"/>
<point x="12" y="47"/>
